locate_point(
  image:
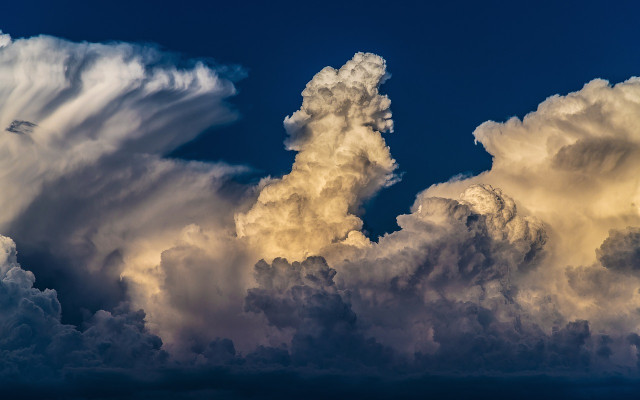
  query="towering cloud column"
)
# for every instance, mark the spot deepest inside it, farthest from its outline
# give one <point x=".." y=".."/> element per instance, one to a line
<point x="342" y="160"/>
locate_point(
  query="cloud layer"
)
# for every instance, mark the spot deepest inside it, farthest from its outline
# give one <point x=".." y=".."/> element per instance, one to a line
<point x="529" y="267"/>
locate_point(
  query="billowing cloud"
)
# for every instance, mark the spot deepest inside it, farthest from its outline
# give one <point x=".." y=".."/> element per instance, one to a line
<point x="531" y="266"/>
<point x="621" y="250"/>
<point x="572" y="164"/>
<point x="36" y="345"/>
<point x="342" y="160"/>
<point x="498" y="267"/>
<point x="85" y="188"/>
<point x="303" y="299"/>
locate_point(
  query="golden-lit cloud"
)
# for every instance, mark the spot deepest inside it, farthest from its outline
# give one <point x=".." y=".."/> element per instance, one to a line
<point x="528" y="266"/>
<point x="342" y="160"/>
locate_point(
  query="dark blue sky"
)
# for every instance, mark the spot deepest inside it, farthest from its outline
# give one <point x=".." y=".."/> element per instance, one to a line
<point x="454" y="65"/>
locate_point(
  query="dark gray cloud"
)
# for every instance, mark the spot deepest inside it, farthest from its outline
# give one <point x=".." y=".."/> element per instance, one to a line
<point x="621" y="250"/>
<point x="303" y="297"/>
<point x="34" y="344"/>
<point x="467" y="337"/>
<point x="21" y="127"/>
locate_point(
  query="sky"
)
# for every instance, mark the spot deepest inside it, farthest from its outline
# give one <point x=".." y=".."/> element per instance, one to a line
<point x="455" y="65"/>
<point x="256" y="199"/>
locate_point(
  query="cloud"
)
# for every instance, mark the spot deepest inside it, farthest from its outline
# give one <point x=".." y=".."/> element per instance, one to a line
<point x="84" y="101"/>
<point x="36" y="345"/>
<point x="621" y="250"/>
<point x="437" y="295"/>
<point x="86" y="189"/>
<point x="202" y="281"/>
<point x="572" y="164"/>
<point x="342" y="160"/>
<point x="496" y="271"/>
<point x="5" y="39"/>
<point x="528" y="267"/>
<point x="303" y="298"/>
<point x="21" y="127"/>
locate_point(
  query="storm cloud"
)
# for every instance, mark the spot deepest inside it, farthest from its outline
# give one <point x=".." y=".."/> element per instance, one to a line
<point x="173" y="274"/>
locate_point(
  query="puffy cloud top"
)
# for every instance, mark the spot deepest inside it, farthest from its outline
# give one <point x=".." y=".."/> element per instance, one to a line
<point x="621" y="250"/>
<point x="342" y="160"/>
<point x="5" y="39"/>
<point x="573" y="164"/>
<point x="350" y="92"/>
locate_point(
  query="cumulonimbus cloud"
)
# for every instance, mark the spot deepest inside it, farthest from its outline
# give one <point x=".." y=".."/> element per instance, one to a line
<point x="511" y="253"/>
<point x="342" y="160"/>
<point x="84" y="128"/>
<point x="572" y="163"/>
<point x="63" y="106"/>
<point x="516" y="269"/>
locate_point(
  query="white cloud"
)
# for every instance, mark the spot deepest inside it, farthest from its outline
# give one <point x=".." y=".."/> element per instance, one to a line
<point x="342" y="160"/>
<point x="518" y="242"/>
<point x="573" y="164"/>
<point x="519" y="266"/>
<point x="84" y="127"/>
<point x="5" y="39"/>
<point x="84" y="101"/>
